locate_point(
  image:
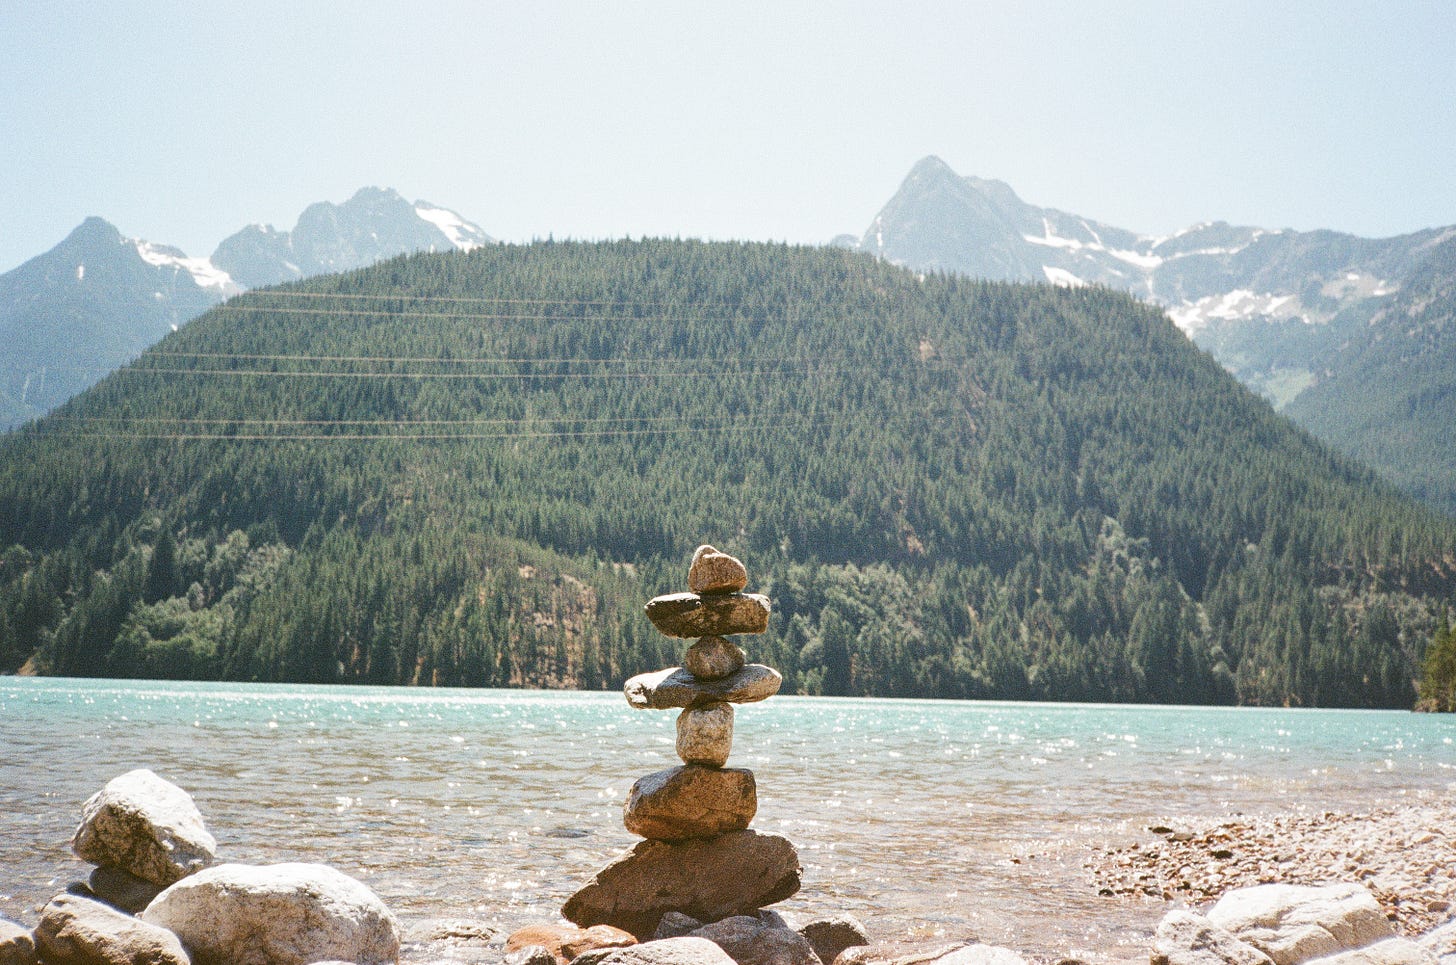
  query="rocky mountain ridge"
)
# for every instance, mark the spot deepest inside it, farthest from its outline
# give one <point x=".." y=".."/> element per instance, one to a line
<point x="98" y="299"/>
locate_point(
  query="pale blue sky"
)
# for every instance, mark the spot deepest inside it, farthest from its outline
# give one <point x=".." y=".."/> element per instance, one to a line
<point x="182" y="122"/>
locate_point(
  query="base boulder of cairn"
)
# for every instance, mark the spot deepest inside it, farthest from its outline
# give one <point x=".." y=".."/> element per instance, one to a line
<point x="708" y="879"/>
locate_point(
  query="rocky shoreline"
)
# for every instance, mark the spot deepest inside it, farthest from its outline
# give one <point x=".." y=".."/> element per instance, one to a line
<point x="1405" y="855"/>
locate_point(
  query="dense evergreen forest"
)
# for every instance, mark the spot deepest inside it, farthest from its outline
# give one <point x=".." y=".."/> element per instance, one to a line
<point x="473" y="470"/>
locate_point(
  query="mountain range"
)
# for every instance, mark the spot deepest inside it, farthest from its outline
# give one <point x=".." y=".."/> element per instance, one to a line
<point x="1350" y="336"/>
<point x="474" y="469"/>
<point x="97" y="299"/>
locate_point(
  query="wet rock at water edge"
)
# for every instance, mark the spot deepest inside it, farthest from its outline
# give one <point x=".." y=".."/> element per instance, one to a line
<point x="75" y="929"/>
<point x="690" y="615"/>
<point x="832" y="935"/>
<point x="282" y="914"/>
<point x="691" y="801"/>
<point x="145" y="826"/>
<point x="565" y="942"/>
<point x="735" y="874"/>
<point x="713" y="658"/>
<point x="675" y="687"/>
<point x="705" y="734"/>
<point x="713" y="572"/>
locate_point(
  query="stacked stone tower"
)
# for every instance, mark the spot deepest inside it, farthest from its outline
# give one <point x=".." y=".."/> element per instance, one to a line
<point x="698" y="858"/>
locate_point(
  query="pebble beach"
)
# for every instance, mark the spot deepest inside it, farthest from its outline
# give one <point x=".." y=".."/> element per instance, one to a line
<point x="1406" y="855"/>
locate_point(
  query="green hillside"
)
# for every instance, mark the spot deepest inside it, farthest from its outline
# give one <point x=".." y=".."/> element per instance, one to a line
<point x="475" y="469"/>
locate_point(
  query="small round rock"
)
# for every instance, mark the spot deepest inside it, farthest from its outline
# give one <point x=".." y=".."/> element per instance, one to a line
<point x="713" y="658"/>
<point x="715" y="572"/>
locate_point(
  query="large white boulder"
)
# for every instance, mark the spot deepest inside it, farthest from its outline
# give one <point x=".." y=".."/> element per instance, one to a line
<point x="282" y="914"/>
<point x="145" y="826"/>
<point x="1184" y="938"/>
<point x="1293" y="924"/>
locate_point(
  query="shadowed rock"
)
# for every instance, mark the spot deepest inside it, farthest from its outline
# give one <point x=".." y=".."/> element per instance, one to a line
<point x="689" y="615"/>
<point x="705" y="879"/>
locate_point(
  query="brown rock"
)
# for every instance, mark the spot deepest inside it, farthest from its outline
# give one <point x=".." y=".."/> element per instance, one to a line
<point x="17" y="946"/>
<point x="715" y="572"/>
<point x="713" y="658"/>
<point x="830" y="936"/>
<point x="565" y="942"/>
<point x="735" y="874"/>
<point x="691" y="802"/>
<point x="675" y="687"/>
<point x="75" y="929"/>
<point x="705" y="734"/>
<point x="689" y="615"/>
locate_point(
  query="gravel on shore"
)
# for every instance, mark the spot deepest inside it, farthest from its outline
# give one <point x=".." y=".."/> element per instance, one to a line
<point x="1406" y="855"/>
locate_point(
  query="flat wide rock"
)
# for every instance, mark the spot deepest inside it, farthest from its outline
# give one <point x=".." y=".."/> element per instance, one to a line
<point x="76" y="929"/>
<point x="145" y="826"/>
<point x="691" y="801"/>
<point x="675" y="687"/>
<point x="691" y="615"/>
<point x="282" y="914"/>
<point x="1295" y="923"/>
<point x="735" y="874"/>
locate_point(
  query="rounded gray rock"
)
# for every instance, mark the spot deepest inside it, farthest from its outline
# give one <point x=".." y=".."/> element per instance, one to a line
<point x="713" y="658"/>
<point x="282" y="914"/>
<point x="705" y="734"/>
<point x="145" y="826"/>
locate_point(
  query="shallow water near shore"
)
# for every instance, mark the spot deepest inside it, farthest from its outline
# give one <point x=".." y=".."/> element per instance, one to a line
<point x="922" y="818"/>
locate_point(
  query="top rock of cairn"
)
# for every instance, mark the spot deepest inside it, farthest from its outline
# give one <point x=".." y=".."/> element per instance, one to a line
<point x="713" y="572"/>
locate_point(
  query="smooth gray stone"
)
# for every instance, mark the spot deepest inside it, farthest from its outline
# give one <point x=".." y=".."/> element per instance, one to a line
<point x="830" y="936"/>
<point x="122" y="890"/>
<point x="748" y="940"/>
<point x="675" y="687"/>
<point x="690" y="615"/>
<point x="713" y="658"/>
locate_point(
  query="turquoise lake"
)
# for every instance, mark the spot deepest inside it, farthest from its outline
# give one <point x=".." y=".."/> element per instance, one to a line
<point x="922" y="818"/>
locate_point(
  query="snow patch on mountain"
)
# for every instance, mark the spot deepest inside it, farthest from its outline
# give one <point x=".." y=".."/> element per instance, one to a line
<point x="462" y="234"/>
<point x="1193" y="317"/>
<point x="1060" y="276"/>
<point x="204" y="273"/>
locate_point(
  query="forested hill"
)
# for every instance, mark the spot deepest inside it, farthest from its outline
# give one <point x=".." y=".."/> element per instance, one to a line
<point x="473" y="469"/>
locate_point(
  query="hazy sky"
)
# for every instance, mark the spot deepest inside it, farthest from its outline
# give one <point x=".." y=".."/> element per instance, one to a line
<point x="182" y="122"/>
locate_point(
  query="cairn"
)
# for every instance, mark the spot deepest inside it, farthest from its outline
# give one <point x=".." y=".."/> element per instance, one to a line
<point x="699" y="859"/>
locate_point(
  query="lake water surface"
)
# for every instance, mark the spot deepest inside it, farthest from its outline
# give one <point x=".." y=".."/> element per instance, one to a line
<point x="922" y="818"/>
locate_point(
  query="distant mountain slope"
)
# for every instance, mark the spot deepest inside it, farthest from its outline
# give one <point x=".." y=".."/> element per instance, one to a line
<point x="1279" y="309"/>
<point x="476" y="469"/>
<point x="1389" y="396"/>
<point x="1271" y="305"/>
<point x="71" y="315"/>
<point x="87" y="306"/>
